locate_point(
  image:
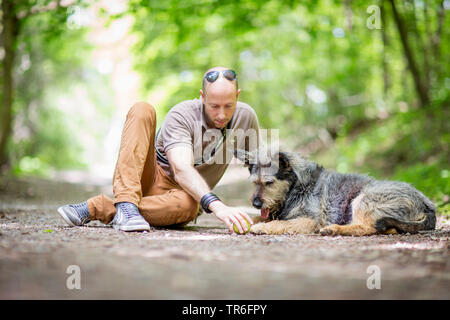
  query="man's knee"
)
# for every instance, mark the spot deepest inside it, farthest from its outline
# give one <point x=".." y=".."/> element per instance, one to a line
<point x="142" y="110"/>
<point x="191" y="208"/>
<point x="188" y="206"/>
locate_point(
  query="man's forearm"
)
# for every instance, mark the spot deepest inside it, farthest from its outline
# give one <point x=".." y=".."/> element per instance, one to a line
<point x="192" y="182"/>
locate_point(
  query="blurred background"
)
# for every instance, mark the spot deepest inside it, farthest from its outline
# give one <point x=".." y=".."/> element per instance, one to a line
<point x="359" y="86"/>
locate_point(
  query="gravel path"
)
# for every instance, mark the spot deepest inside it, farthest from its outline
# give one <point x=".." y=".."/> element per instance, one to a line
<point x="202" y="260"/>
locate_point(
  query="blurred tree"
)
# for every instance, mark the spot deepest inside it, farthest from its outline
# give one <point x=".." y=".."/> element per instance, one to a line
<point x="14" y="17"/>
<point x="38" y="48"/>
<point x="312" y="60"/>
<point x="421" y="77"/>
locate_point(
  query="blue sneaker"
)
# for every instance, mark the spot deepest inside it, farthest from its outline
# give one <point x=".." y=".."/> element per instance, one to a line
<point x="128" y="218"/>
<point x="75" y="214"/>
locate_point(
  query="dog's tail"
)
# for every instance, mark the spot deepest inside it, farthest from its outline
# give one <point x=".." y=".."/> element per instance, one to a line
<point x="427" y="222"/>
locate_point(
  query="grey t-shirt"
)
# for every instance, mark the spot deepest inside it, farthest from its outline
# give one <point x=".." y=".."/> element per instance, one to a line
<point x="185" y="124"/>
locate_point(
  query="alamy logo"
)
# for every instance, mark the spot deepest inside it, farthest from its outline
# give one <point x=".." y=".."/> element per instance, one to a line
<point x="374" y="280"/>
<point x="74" y="280"/>
<point x="374" y="20"/>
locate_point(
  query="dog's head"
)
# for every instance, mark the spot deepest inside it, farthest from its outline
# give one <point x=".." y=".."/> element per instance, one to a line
<point x="275" y="175"/>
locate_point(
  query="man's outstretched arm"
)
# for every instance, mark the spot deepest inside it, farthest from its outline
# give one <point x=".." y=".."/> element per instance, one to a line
<point x="181" y="160"/>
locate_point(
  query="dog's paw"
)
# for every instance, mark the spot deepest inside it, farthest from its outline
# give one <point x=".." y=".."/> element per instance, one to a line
<point x="258" y="228"/>
<point x="331" y="230"/>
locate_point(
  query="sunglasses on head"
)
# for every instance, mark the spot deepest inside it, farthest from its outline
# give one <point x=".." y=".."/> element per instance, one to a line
<point x="228" y="74"/>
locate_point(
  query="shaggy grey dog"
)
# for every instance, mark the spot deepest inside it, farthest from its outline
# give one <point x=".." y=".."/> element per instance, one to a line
<point x="297" y="195"/>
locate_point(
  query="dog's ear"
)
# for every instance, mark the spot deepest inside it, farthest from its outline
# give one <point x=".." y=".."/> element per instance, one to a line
<point x="283" y="160"/>
<point x="243" y="155"/>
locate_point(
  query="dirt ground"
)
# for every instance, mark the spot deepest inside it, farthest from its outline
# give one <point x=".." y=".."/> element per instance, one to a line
<point x="202" y="260"/>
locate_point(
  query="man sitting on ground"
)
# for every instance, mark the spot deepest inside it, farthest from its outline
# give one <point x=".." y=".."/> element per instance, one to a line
<point x="160" y="182"/>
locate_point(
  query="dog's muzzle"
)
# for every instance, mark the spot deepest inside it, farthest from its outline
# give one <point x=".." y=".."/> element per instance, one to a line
<point x="257" y="203"/>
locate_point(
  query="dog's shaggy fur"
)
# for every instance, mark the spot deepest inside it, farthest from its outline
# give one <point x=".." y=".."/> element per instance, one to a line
<point x="297" y="195"/>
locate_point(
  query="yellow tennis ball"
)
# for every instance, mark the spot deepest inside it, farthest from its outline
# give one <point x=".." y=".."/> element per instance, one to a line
<point x="237" y="230"/>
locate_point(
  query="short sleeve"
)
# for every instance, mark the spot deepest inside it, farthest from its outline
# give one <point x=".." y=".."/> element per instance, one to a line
<point x="175" y="131"/>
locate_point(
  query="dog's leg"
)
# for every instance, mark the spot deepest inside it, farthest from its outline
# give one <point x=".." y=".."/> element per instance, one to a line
<point x="363" y="223"/>
<point x="294" y="226"/>
<point x="258" y="219"/>
<point x="348" y="230"/>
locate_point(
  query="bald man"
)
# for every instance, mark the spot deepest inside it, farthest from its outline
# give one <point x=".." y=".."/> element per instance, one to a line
<point x="162" y="178"/>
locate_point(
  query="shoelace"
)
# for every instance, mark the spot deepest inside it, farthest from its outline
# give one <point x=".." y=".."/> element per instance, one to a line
<point x="129" y="209"/>
<point x="82" y="209"/>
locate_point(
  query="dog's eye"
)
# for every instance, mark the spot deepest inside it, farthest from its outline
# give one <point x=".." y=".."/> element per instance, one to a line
<point x="268" y="183"/>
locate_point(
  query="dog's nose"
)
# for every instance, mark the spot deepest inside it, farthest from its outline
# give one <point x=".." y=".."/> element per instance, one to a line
<point x="257" y="203"/>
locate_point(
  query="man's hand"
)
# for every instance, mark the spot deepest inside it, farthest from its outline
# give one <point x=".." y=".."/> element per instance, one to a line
<point x="181" y="161"/>
<point x="230" y="216"/>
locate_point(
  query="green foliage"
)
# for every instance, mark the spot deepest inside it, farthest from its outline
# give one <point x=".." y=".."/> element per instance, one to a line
<point x="51" y="61"/>
<point x="411" y="147"/>
<point x="286" y="55"/>
<point x="430" y="179"/>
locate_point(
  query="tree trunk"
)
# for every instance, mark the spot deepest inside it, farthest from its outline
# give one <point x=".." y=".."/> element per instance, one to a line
<point x="348" y="15"/>
<point x="8" y="38"/>
<point x="384" y="37"/>
<point x="436" y="38"/>
<point x="426" y="44"/>
<point x="421" y="87"/>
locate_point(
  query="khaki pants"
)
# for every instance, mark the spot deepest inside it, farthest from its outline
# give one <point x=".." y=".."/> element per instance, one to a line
<point x="139" y="179"/>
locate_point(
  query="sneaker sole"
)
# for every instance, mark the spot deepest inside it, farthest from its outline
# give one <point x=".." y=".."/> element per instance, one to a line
<point x="141" y="227"/>
<point x="66" y="219"/>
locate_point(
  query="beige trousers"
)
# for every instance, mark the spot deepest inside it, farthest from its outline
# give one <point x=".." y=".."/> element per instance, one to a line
<point x="139" y="179"/>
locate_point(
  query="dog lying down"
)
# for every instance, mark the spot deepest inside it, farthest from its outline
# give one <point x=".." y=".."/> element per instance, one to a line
<point x="298" y="196"/>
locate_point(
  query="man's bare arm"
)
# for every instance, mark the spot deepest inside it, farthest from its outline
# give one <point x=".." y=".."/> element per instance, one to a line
<point x="181" y="160"/>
